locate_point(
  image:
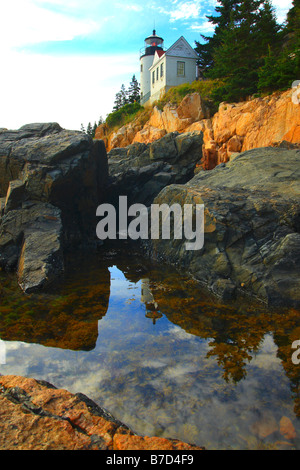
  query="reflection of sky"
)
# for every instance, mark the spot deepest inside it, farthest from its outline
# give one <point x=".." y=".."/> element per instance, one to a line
<point x="157" y="378"/>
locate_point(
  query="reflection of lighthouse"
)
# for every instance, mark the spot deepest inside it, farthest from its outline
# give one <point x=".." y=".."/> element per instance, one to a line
<point x="149" y="301"/>
<point x="2" y="352"/>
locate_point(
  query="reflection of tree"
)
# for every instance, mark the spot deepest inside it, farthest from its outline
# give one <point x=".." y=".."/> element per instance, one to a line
<point x="67" y="317"/>
<point x="236" y="340"/>
<point x="235" y="331"/>
<point x="286" y="331"/>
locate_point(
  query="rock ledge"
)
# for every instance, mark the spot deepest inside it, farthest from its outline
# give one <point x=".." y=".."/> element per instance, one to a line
<point x="34" y="415"/>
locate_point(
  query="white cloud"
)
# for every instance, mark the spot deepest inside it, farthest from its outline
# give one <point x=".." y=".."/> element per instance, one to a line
<point x="205" y="27"/>
<point x="33" y="24"/>
<point x="134" y="7"/>
<point x="71" y="90"/>
<point x="185" y="11"/>
<point x="281" y="7"/>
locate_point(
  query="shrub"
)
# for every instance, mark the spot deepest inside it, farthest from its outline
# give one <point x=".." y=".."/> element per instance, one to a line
<point x="124" y="115"/>
<point x="205" y="88"/>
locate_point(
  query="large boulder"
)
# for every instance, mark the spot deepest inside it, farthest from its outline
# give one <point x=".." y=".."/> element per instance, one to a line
<point x="51" y="183"/>
<point x="140" y="171"/>
<point x="252" y="224"/>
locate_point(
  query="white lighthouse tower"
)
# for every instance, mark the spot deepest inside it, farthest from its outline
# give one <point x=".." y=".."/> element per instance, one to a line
<point x="152" y="44"/>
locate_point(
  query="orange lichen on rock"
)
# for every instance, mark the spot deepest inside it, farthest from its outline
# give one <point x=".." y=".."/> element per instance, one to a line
<point x="35" y="415"/>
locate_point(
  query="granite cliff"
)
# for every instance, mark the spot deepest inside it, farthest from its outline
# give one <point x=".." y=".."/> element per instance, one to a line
<point x="235" y="128"/>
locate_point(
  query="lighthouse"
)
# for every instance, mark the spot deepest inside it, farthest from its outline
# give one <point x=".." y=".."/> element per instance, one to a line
<point x="152" y="44"/>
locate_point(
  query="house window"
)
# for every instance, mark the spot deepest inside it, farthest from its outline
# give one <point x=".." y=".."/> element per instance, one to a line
<point x="157" y="73"/>
<point x="153" y="77"/>
<point x="161" y="70"/>
<point x="180" y="69"/>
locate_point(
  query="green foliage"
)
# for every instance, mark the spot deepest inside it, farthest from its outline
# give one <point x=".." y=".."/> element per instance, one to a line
<point x="280" y="70"/>
<point x="124" y="96"/>
<point x="245" y="43"/>
<point x="241" y="52"/>
<point x="133" y="93"/>
<point x="176" y="94"/>
<point x="221" y="21"/>
<point x="123" y="115"/>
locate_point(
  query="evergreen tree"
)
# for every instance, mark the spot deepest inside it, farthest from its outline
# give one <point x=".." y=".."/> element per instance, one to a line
<point x="281" y="68"/>
<point x="244" y="44"/>
<point x="118" y="102"/>
<point x="123" y="93"/>
<point x="293" y="19"/>
<point x="89" y="129"/>
<point x="120" y="99"/>
<point x="94" y="129"/>
<point x="82" y="128"/>
<point x="221" y="21"/>
<point x="133" y="91"/>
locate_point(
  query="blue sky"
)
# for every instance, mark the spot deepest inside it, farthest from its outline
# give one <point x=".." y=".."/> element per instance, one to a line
<point x="64" y="60"/>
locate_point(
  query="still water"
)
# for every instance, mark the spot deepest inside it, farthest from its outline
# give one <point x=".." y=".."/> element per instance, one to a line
<point x="147" y="344"/>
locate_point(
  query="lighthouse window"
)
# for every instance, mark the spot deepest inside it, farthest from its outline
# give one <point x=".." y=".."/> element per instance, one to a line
<point x="180" y="69"/>
<point x="161" y="70"/>
<point x="157" y="73"/>
<point x="153" y="77"/>
<point x="141" y="67"/>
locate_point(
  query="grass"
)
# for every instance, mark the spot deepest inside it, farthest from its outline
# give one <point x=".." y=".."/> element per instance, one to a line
<point x="204" y="87"/>
<point x="134" y="111"/>
<point x="124" y="115"/>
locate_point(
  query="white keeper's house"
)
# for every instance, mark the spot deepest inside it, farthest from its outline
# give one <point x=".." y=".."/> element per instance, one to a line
<point x="162" y="69"/>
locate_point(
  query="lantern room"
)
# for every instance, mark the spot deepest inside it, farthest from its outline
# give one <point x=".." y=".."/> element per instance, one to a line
<point x="153" y="43"/>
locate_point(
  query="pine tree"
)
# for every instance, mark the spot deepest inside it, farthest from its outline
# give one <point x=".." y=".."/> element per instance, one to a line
<point x="293" y="19"/>
<point x="245" y="43"/>
<point x="120" y="99"/>
<point x="82" y="128"/>
<point x="123" y="93"/>
<point x="94" y="129"/>
<point x="118" y="102"/>
<point x="134" y="91"/>
<point x="282" y="67"/>
<point x="221" y="21"/>
<point x="89" y="129"/>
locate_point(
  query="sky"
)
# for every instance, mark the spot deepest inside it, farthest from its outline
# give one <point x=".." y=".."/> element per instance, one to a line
<point x="64" y="60"/>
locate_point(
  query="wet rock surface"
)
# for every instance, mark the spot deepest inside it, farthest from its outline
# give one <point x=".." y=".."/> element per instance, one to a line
<point x="51" y="182"/>
<point x="37" y="416"/>
<point x="252" y="239"/>
<point x="140" y="171"/>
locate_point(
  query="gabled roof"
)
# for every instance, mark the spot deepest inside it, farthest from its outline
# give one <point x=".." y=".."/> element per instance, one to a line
<point x="181" y="48"/>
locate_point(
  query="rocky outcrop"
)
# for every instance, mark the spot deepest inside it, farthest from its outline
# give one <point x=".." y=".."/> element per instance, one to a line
<point x="140" y="171"/>
<point x="252" y="227"/>
<point x="37" y="416"/>
<point x="157" y="124"/>
<point x="260" y="122"/>
<point x="235" y="128"/>
<point x="51" y="183"/>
